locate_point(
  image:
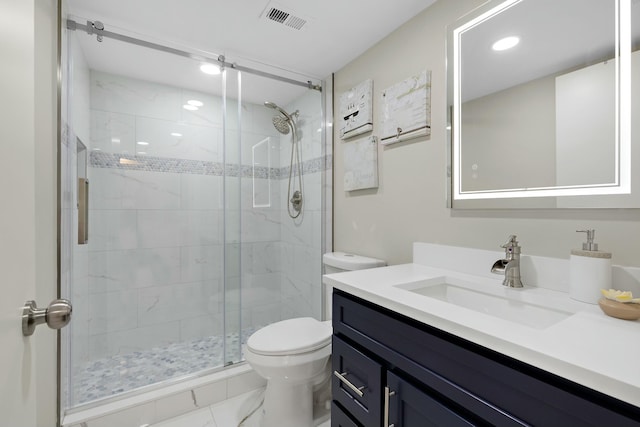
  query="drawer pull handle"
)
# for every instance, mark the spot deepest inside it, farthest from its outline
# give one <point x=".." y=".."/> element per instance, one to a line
<point x="387" y="394"/>
<point x="341" y="377"/>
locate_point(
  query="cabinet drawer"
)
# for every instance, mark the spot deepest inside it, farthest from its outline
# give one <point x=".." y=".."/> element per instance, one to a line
<point x="495" y="387"/>
<point x="356" y="383"/>
<point x="340" y="419"/>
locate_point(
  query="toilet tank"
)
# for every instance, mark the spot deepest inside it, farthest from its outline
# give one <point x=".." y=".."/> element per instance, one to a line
<point x="337" y="262"/>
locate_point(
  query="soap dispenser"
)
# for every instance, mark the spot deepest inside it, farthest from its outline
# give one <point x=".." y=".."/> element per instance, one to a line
<point x="589" y="270"/>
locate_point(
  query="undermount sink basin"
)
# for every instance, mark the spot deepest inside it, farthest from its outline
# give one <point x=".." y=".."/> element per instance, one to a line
<point x="501" y="302"/>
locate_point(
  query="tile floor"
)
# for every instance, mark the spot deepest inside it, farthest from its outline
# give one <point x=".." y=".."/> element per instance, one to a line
<point x="235" y="412"/>
<point x="122" y="373"/>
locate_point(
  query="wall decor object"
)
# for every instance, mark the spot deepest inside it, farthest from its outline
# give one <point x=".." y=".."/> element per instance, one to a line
<point x="406" y="109"/>
<point x="356" y="110"/>
<point x="361" y="164"/>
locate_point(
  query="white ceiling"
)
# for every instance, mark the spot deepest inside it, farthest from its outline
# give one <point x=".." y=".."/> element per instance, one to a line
<point x="336" y="32"/>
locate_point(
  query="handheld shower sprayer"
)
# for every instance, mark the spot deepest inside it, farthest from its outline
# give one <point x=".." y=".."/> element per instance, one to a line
<point x="284" y="123"/>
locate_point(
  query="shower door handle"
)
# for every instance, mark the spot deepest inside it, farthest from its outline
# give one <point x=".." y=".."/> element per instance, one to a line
<point x="83" y="211"/>
<point x="56" y="316"/>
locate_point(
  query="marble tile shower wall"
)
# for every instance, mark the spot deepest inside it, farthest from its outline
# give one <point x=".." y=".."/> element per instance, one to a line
<point x="301" y="285"/>
<point x="157" y="227"/>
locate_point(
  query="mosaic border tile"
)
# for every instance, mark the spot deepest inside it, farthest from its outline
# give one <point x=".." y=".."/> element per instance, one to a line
<point x="99" y="159"/>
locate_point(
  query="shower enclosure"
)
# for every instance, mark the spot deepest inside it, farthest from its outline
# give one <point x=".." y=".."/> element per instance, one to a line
<point x="177" y="238"/>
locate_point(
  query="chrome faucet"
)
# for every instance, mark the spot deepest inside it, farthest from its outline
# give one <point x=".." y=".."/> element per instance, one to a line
<point x="510" y="265"/>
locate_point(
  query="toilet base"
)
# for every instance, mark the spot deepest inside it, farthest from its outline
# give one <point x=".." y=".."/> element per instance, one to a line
<point x="287" y="405"/>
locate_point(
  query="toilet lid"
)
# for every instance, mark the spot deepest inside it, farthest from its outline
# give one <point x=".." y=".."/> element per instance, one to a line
<point x="293" y="336"/>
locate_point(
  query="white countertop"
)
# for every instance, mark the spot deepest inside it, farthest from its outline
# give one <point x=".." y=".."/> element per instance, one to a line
<point x="588" y="347"/>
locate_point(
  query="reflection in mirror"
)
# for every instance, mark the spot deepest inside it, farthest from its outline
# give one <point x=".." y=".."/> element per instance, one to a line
<point x="540" y="95"/>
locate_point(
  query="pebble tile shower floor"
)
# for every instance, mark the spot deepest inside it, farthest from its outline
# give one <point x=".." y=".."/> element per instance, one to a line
<point x="113" y="375"/>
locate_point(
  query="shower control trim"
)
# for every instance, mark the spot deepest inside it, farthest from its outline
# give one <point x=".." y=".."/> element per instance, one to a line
<point x="296" y="201"/>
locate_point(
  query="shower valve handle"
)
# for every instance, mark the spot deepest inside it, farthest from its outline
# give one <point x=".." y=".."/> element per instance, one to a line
<point x="296" y="200"/>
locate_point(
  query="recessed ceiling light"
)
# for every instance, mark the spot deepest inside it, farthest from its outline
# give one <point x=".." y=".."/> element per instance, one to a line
<point x="176" y="134"/>
<point x="189" y="107"/>
<point x="506" y="43"/>
<point x="210" y="69"/>
<point x="143" y="143"/>
<point x="195" y="103"/>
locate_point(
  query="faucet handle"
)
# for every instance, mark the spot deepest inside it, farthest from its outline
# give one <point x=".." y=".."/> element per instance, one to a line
<point x="511" y="243"/>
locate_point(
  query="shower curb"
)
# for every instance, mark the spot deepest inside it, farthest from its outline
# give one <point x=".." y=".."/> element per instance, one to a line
<point x="167" y="402"/>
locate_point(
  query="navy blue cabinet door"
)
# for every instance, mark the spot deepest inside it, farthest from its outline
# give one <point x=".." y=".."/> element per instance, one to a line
<point x="340" y="419"/>
<point x="359" y="389"/>
<point x="411" y="407"/>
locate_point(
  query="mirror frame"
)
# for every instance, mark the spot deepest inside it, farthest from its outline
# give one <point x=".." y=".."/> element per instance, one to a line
<point x="622" y="184"/>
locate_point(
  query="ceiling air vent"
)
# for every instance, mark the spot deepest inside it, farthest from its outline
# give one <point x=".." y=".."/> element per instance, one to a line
<point x="280" y="15"/>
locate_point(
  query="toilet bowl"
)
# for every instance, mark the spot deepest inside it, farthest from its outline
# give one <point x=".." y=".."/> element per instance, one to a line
<point x="294" y="355"/>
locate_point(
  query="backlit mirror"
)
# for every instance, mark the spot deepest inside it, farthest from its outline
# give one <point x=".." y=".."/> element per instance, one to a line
<point x="540" y="97"/>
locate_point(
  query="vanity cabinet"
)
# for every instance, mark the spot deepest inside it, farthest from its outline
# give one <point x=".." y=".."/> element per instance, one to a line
<point x="391" y="370"/>
<point x="339" y="418"/>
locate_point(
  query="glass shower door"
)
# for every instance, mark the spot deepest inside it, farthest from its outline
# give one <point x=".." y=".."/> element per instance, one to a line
<point x="279" y="256"/>
<point x="232" y="107"/>
<point x="190" y="245"/>
<point x="150" y="303"/>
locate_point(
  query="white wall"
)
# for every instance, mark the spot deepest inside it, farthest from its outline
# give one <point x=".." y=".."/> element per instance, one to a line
<point x="410" y="203"/>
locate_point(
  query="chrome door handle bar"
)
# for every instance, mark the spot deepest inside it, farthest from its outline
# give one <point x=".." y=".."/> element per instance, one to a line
<point x="387" y="394"/>
<point x="356" y="390"/>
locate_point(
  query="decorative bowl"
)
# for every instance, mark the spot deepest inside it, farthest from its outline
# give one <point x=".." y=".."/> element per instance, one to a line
<point x="620" y="310"/>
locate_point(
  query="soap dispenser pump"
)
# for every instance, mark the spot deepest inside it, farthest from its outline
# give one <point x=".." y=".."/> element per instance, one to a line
<point x="589" y="270"/>
<point x="589" y="245"/>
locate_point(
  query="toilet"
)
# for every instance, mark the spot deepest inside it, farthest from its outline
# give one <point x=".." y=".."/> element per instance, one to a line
<point x="293" y="355"/>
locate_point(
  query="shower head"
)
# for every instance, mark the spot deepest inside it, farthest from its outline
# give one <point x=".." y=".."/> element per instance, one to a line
<point x="282" y="124"/>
